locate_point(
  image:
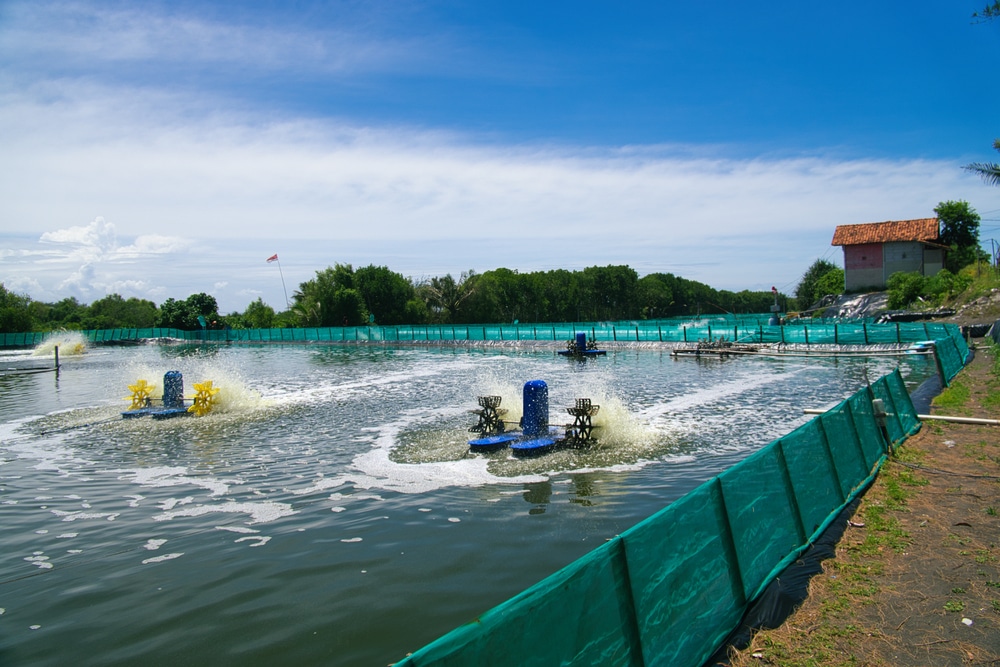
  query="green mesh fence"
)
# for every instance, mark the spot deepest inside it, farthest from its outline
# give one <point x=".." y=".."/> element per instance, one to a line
<point x="746" y="329"/>
<point x="669" y="590"/>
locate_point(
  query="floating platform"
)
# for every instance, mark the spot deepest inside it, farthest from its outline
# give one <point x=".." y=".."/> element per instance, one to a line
<point x="579" y="348"/>
<point x="533" y="446"/>
<point x="584" y="353"/>
<point x="493" y="442"/>
<point x="156" y="413"/>
<point x="521" y="444"/>
<point x="715" y="349"/>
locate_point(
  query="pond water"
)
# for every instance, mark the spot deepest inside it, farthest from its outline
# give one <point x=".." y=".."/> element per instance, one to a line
<point x="328" y="511"/>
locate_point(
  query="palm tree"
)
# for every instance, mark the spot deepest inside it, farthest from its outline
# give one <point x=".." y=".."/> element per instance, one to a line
<point x="990" y="171"/>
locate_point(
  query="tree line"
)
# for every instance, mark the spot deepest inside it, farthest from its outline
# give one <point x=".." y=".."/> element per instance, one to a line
<point x="340" y="295"/>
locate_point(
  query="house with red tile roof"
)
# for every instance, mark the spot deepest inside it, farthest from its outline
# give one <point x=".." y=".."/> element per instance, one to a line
<point x="873" y="251"/>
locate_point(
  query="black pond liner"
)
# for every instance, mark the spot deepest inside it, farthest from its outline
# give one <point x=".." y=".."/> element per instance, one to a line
<point x="790" y="589"/>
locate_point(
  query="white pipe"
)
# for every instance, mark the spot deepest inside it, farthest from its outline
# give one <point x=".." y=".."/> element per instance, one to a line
<point x="942" y="418"/>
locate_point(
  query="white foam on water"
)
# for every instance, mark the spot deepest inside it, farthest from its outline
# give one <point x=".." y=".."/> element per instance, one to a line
<point x="351" y="539"/>
<point x="66" y="536"/>
<point x="83" y="516"/>
<point x="260" y="540"/>
<point x="367" y="384"/>
<point x="171" y="503"/>
<point x="153" y="545"/>
<point x="264" y="512"/>
<point x="135" y="500"/>
<point x="42" y="562"/>
<point x="164" y="476"/>
<point x="717" y="392"/>
<point x="238" y="529"/>
<point x="160" y="559"/>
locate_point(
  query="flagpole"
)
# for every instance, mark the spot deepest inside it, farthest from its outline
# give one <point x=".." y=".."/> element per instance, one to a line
<point x="283" y="283"/>
<point x="274" y="258"/>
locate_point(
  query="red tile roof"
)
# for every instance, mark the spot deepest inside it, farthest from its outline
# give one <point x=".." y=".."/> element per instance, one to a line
<point x="924" y="229"/>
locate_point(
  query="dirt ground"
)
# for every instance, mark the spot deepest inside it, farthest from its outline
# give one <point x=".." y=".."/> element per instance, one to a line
<point x="916" y="577"/>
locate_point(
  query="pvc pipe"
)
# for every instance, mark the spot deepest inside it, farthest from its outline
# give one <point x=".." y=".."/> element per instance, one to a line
<point x="942" y="418"/>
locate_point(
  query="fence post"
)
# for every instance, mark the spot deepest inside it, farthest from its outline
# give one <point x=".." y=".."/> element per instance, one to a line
<point x="685" y="334"/>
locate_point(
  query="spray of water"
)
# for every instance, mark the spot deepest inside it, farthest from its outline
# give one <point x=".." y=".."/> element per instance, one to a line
<point x="70" y="343"/>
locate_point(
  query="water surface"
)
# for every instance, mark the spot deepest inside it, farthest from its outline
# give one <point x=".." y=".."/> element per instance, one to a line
<point x="329" y="511"/>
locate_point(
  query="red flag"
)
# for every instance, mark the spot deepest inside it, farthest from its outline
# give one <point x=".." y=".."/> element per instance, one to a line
<point x="273" y="258"/>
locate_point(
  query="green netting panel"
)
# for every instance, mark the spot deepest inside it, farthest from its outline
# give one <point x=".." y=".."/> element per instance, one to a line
<point x="905" y="411"/>
<point x="851" y="461"/>
<point x="901" y="421"/>
<point x="872" y="442"/>
<point x="949" y="356"/>
<point x="762" y="515"/>
<point x="685" y="581"/>
<point x="814" y="478"/>
<point x="581" y="615"/>
<point x="882" y="334"/>
<point x="913" y="331"/>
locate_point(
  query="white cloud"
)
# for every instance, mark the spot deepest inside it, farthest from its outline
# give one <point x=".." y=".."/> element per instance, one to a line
<point x="81" y="35"/>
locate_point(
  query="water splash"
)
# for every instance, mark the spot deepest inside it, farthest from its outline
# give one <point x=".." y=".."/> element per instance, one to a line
<point x="70" y="343"/>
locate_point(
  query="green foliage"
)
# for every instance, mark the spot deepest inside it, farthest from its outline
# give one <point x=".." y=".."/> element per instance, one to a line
<point x="444" y="298"/>
<point x="385" y="293"/>
<point x="114" y="312"/>
<point x="990" y="171"/>
<point x="831" y="282"/>
<point x="988" y="13"/>
<point x="905" y="288"/>
<point x="808" y="290"/>
<point x="258" y="315"/>
<point x="15" y="312"/>
<point x="184" y="314"/>
<point x="329" y="300"/>
<point x="960" y="232"/>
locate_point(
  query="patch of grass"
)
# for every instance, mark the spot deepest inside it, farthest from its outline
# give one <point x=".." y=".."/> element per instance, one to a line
<point x="958" y="591"/>
<point x="910" y="478"/>
<point x="954" y="605"/>
<point x="984" y="556"/>
<point x="992" y="511"/>
<point x="954" y="398"/>
<point x="996" y="605"/>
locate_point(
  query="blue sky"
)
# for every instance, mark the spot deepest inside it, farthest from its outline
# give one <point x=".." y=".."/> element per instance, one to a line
<point x="162" y="149"/>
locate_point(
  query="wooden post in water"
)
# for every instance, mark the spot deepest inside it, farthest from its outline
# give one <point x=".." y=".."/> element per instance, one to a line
<point x="57" y="359"/>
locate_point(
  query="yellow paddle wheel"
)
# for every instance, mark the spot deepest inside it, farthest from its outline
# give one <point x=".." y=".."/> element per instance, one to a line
<point x="141" y="394"/>
<point x="204" y="398"/>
